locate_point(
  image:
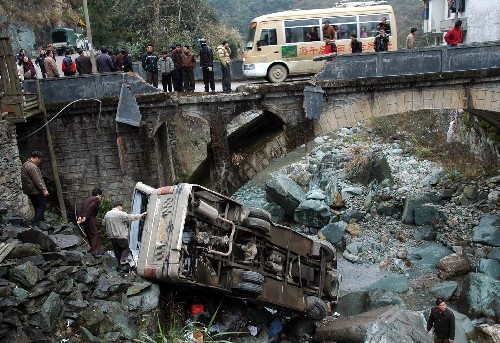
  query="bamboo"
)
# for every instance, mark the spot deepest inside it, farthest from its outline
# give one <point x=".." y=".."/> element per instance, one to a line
<point x="53" y="162"/>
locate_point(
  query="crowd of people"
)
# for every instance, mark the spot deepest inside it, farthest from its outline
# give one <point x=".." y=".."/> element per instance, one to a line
<point x="175" y="67"/>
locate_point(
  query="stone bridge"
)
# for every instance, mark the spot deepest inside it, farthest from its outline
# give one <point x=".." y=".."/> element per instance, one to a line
<point x="185" y="137"/>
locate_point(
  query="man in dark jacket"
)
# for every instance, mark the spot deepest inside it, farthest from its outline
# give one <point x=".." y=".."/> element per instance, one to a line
<point x="443" y="321"/>
<point x="176" y="56"/>
<point x="34" y="187"/>
<point x="381" y="41"/>
<point x="88" y="219"/>
<point x="150" y="65"/>
<point x="127" y="62"/>
<point x="83" y="63"/>
<point x="104" y="63"/>
<point x="39" y="62"/>
<point x="356" y="45"/>
<point x="207" y="65"/>
<point x="188" y="65"/>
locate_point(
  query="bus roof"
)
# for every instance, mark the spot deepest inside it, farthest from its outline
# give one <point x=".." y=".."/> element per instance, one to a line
<point x="324" y="12"/>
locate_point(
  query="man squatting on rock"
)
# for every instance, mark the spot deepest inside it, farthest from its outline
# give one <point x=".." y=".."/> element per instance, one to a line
<point x="443" y="321"/>
<point x="116" y="221"/>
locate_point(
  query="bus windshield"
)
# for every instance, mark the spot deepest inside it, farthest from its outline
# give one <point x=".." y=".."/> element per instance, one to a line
<point x="251" y="36"/>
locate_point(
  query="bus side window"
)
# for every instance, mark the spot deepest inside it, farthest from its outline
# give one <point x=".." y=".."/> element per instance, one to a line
<point x="268" y="37"/>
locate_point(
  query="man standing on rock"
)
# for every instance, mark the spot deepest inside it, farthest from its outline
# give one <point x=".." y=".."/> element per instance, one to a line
<point x="116" y="222"/>
<point x="34" y="187"/>
<point x="88" y="219"/>
<point x="443" y="321"/>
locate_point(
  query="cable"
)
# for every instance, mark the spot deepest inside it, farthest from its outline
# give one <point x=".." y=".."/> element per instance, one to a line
<point x="54" y="117"/>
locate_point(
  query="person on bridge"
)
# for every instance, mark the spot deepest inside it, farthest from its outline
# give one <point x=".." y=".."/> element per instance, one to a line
<point x="176" y="56"/>
<point x="83" y="63"/>
<point x="68" y="65"/>
<point x="454" y="35"/>
<point x="116" y="222"/>
<point x="224" y="52"/>
<point x="150" y="65"/>
<point x="356" y="45"/>
<point x="29" y="71"/>
<point x="207" y="65"/>
<point x="410" y="40"/>
<point x="188" y="65"/>
<point x="87" y="218"/>
<point x="330" y="46"/>
<point x="166" y="66"/>
<point x="34" y="187"/>
<point x="381" y="41"/>
<point x="39" y="62"/>
<point x="384" y="25"/>
<point x="127" y="62"/>
<point x="443" y="321"/>
<point x="50" y="65"/>
<point x="104" y="63"/>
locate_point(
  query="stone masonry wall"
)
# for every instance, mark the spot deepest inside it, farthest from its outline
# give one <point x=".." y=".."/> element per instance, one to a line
<point x="90" y="153"/>
<point x="10" y="171"/>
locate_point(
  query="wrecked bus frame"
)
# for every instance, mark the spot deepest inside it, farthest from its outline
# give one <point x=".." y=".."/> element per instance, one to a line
<point x="196" y="237"/>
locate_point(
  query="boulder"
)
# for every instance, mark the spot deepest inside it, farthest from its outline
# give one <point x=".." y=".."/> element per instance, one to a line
<point x="371" y="167"/>
<point x="494" y="254"/>
<point x="463" y="326"/>
<point x="453" y="265"/>
<point x="427" y="255"/>
<point x="398" y="325"/>
<point x="312" y="212"/>
<point x="353" y="303"/>
<point x="414" y="202"/>
<point x="470" y="192"/>
<point x="51" y="312"/>
<point x="350" y="214"/>
<point x="334" y="232"/>
<point x="66" y="241"/>
<point x="487" y="232"/>
<point x="426" y="215"/>
<point x="444" y="290"/>
<point x="37" y="237"/>
<point x="383" y="297"/>
<point x="387" y="208"/>
<point x="285" y="192"/>
<point x="433" y="178"/>
<point x="478" y="294"/>
<point x="26" y="274"/>
<point x="490" y="267"/>
<point x="349" y="192"/>
<point x="350" y="329"/>
<point x="492" y="332"/>
<point x="396" y="283"/>
<point x="425" y="233"/>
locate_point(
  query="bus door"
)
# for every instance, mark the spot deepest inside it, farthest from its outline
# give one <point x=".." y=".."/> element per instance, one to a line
<point x="268" y="49"/>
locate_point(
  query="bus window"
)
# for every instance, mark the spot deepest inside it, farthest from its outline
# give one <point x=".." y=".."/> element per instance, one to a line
<point x="302" y="30"/>
<point x="251" y="36"/>
<point x="268" y="37"/>
<point x="343" y="26"/>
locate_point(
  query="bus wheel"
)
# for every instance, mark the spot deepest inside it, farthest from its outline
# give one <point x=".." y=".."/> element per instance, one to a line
<point x="317" y="309"/>
<point x="277" y="73"/>
<point x="248" y="288"/>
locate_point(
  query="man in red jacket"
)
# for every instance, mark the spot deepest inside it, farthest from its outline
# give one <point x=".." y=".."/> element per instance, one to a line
<point x="88" y="219"/>
<point x="454" y="36"/>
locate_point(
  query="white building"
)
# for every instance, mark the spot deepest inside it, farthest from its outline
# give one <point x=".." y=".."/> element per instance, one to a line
<point x="481" y="18"/>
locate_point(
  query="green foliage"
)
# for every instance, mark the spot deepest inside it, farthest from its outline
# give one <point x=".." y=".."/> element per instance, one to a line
<point x="424" y="152"/>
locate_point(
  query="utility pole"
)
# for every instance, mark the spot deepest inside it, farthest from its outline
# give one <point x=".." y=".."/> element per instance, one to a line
<point x="89" y="36"/>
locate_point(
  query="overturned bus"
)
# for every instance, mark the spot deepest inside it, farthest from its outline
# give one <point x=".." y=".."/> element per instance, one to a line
<point x="196" y="237"/>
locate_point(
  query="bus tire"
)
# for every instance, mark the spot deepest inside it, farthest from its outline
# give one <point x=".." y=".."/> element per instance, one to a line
<point x="258" y="224"/>
<point x="317" y="308"/>
<point x="252" y="277"/>
<point x="248" y="288"/>
<point x="254" y="212"/>
<point x="277" y="73"/>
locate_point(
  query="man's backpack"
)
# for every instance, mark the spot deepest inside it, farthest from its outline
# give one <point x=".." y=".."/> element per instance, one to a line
<point x="68" y="66"/>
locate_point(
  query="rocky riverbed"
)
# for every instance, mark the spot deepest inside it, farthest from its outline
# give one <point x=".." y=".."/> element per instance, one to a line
<point x="407" y="231"/>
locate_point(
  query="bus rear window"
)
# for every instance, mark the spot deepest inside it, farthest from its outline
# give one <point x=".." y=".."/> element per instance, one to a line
<point x="251" y="36"/>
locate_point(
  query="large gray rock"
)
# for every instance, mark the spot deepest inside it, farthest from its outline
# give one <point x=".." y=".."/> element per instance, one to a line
<point x="478" y="295"/>
<point x="494" y="254"/>
<point x="433" y="178"/>
<point x="373" y="167"/>
<point x="490" y="267"/>
<point x="427" y="255"/>
<point x="51" y="312"/>
<point x="382" y="297"/>
<point x="334" y="232"/>
<point x="463" y="326"/>
<point x="444" y="290"/>
<point x="488" y="230"/>
<point x="353" y="303"/>
<point x="37" y="237"/>
<point x="150" y="297"/>
<point x="350" y="329"/>
<point x="396" y="283"/>
<point x="285" y="192"/>
<point x="414" y="202"/>
<point x="66" y="241"/>
<point x="453" y="265"/>
<point x="26" y="274"/>
<point x="398" y="325"/>
<point x="426" y="215"/>
<point x="313" y="212"/>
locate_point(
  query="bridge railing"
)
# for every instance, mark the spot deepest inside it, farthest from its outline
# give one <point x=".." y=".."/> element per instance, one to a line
<point x="412" y="62"/>
<point x="10" y="89"/>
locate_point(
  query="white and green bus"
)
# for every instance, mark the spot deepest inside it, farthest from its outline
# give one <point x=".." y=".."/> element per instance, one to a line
<point x="284" y="43"/>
